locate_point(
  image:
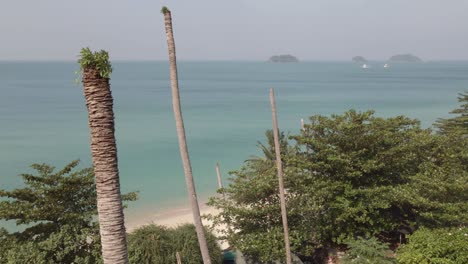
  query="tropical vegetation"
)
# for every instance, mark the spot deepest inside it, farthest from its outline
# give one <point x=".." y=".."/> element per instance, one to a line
<point x="379" y="190"/>
<point x="153" y="244"/>
<point x="56" y="216"/>
<point x="440" y="245"/>
<point x="364" y="251"/>
<point x="349" y="176"/>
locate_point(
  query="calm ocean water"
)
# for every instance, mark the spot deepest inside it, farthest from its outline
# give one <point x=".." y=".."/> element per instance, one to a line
<point x="43" y="117"/>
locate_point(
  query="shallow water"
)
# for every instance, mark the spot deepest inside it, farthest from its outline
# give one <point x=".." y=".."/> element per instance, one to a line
<point x="226" y="110"/>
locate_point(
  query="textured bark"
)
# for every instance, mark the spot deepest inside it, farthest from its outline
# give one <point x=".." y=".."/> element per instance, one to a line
<point x="104" y="154"/>
<point x="183" y="142"/>
<point x="279" y="166"/>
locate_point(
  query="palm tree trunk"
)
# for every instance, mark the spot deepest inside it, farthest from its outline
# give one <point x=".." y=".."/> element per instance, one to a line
<point x="179" y="259"/>
<point x="182" y="140"/>
<point x="218" y="173"/>
<point x="104" y="154"/>
<point x="280" y="178"/>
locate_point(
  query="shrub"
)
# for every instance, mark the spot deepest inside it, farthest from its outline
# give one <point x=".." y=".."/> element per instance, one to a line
<point x="444" y="246"/>
<point x="158" y="245"/>
<point x="371" y="250"/>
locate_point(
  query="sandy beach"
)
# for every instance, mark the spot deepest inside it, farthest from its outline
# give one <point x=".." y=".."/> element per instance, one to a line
<point x="172" y="218"/>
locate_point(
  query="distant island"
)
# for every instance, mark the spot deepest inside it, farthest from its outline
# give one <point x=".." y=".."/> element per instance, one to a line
<point x="359" y="59"/>
<point x="404" y="58"/>
<point x="283" y="58"/>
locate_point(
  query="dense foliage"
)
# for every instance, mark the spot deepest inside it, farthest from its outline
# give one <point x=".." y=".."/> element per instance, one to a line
<point x="364" y="251"/>
<point x="347" y="176"/>
<point x="444" y="246"/>
<point x="98" y="60"/>
<point x="154" y="244"/>
<point x="459" y="123"/>
<point x="55" y="211"/>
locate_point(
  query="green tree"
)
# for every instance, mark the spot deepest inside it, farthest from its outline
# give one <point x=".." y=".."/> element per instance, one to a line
<point x="437" y="196"/>
<point x="364" y="251"/>
<point x="442" y="245"/>
<point x="348" y="175"/>
<point x="268" y="149"/>
<point x="459" y="123"/>
<point x="153" y="244"/>
<point x="56" y="213"/>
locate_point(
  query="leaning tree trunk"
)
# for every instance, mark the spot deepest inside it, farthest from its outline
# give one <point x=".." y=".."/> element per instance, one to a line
<point x="104" y="154"/>
<point x="182" y="140"/>
<point x="218" y="174"/>
<point x="280" y="178"/>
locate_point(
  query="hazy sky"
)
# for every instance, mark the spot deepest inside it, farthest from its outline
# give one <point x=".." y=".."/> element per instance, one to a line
<point x="235" y="29"/>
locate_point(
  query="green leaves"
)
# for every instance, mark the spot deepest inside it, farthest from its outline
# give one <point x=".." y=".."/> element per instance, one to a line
<point x="347" y="176"/>
<point x="59" y="207"/>
<point x="444" y="245"/>
<point x="458" y="124"/>
<point x="164" y="10"/>
<point x="51" y="196"/>
<point x="98" y="60"/>
<point x="364" y="251"/>
<point x="158" y="245"/>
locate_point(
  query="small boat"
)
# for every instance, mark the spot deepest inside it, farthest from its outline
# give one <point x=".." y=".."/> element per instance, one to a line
<point x="386" y="65"/>
<point x="364" y="66"/>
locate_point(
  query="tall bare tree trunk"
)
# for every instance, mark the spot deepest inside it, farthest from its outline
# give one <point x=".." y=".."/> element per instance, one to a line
<point x="104" y="154"/>
<point x="280" y="178"/>
<point x="218" y="173"/>
<point x="182" y="140"/>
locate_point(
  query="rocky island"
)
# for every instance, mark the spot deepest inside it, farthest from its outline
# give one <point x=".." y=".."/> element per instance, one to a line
<point x="404" y="58"/>
<point x="359" y="59"/>
<point x="283" y="58"/>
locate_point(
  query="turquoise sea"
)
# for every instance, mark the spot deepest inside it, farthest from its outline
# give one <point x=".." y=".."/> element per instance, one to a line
<point x="43" y="116"/>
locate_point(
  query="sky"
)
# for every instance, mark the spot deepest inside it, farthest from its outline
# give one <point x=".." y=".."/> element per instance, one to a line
<point x="319" y="30"/>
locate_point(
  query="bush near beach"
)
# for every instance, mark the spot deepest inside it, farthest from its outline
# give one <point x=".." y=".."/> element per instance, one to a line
<point x="159" y="245"/>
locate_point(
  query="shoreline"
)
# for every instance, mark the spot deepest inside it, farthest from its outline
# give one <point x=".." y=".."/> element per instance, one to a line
<point x="173" y="217"/>
<point x="169" y="217"/>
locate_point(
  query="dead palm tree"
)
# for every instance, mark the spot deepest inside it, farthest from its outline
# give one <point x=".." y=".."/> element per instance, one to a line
<point x="280" y="177"/>
<point x="182" y="140"/>
<point x="96" y="70"/>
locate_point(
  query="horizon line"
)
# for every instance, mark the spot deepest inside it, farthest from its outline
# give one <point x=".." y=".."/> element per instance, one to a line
<point x="220" y="60"/>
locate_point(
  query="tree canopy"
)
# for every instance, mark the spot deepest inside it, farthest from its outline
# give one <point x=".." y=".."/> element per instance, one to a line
<point x="459" y="123"/>
<point x="348" y="176"/>
<point x="55" y="211"/>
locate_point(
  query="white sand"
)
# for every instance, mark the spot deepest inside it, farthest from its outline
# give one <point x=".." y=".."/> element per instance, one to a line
<point x="172" y="218"/>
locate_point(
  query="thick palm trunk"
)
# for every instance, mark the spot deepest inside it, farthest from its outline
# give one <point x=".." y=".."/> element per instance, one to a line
<point x="104" y="154"/>
<point x="182" y="140"/>
<point x="279" y="166"/>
